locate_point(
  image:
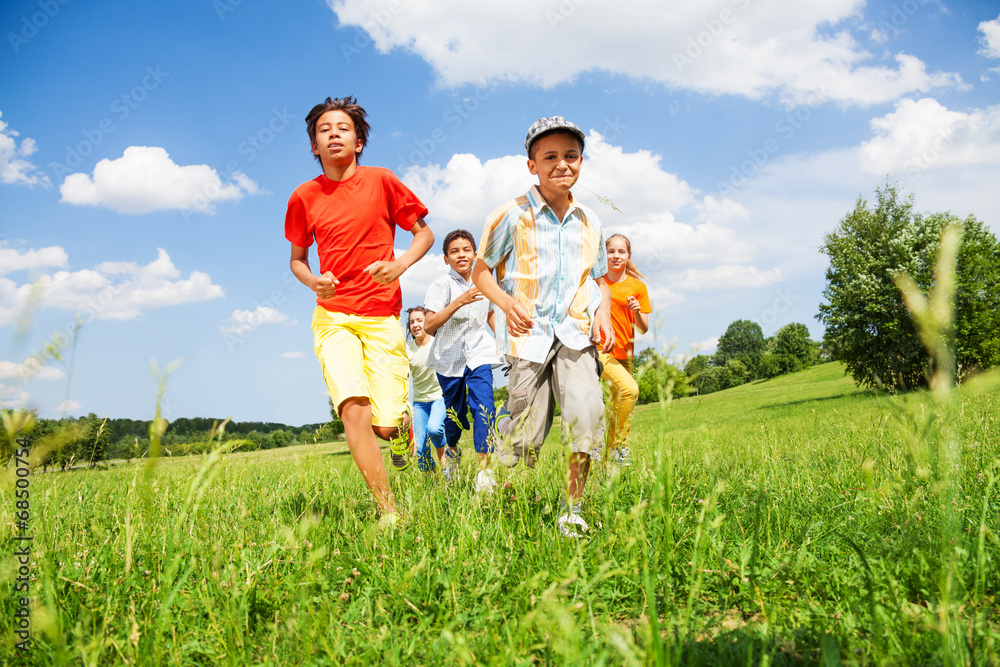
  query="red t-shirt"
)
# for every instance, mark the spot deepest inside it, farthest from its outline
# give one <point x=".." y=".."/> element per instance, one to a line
<point x="354" y="223"/>
<point x="622" y="317"/>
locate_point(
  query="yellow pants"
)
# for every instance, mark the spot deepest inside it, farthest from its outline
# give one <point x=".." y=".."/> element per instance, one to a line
<point x="624" y="394"/>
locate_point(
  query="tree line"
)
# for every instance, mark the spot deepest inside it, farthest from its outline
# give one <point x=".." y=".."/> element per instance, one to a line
<point x="87" y="440"/>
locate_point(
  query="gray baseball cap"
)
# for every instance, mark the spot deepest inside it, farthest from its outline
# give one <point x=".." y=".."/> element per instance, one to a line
<point x="543" y="126"/>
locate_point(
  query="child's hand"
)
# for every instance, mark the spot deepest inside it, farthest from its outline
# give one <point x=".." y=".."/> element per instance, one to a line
<point x="603" y="330"/>
<point x="518" y="318"/>
<point x="470" y="295"/>
<point x="633" y="304"/>
<point x="384" y="272"/>
<point x="326" y="285"/>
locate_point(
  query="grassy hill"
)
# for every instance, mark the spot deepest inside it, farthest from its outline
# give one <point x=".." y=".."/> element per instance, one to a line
<point x="794" y="521"/>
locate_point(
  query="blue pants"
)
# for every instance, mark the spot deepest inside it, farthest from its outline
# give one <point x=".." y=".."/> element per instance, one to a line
<point x="478" y="383"/>
<point x="428" y="425"/>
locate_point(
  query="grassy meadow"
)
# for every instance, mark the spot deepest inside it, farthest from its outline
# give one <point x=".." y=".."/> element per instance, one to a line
<point x="794" y="521"/>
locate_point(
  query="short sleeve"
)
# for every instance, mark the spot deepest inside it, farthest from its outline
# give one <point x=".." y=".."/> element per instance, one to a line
<point x="643" y="296"/>
<point x="437" y="296"/>
<point x="600" y="268"/>
<point x="296" y="225"/>
<point x="498" y="235"/>
<point x="404" y="207"/>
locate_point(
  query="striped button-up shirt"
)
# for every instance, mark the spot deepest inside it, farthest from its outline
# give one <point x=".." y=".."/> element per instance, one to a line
<point x="549" y="266"/>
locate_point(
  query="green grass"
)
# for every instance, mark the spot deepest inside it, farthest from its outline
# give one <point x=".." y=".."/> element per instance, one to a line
<point x="793" y="521"/>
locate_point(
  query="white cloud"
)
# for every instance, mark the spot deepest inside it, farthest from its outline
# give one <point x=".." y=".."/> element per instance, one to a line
<point x="12" y="397"/>
<point x="990" y="39"/>
<point x="790" y="49"/>
<point x="242" y="322"/>
<point x="14" y="167"/>
<point x="29" y="369"/>
<point x="725" y="277"/>
<point x="417" y="279"/>
<point x="462" y="194"/>
<point x="921" y="135"/>
<point x="144" y="179"/>
<point x="12" y="260"/>
<point x="292" y="355"/>
<point x="68" y="406"/>
<point x="707" y="346"/>
<point x="111" y="290"/>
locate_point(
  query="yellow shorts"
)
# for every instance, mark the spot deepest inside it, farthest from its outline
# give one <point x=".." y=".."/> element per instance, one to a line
<point x="364" y="357"/>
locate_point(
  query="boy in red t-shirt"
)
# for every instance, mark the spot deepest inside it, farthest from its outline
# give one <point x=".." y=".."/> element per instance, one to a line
<point x="352" y="213"/>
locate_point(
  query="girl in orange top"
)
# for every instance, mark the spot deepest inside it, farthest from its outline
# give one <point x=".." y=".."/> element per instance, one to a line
<point x="630" y="310"/>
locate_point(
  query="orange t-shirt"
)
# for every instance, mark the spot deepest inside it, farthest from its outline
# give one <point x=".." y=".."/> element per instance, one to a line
<point x="622" y="317"/>
<point x="354" y="222"/>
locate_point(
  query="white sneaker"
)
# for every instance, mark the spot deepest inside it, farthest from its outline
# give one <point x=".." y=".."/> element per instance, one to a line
<point x="621" y="457"/>
<point x="502" y="447"/>
<point x="485" y="481"/>
<point x="571" y="524"/>
<point x="451" y="462"/>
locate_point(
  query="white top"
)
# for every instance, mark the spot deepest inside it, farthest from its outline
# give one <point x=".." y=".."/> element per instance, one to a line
<point x="424" y="379"/>
<point x="466" y="339"/>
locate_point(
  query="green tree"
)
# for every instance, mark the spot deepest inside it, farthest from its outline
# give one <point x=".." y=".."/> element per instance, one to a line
<point x="868" y="326"/>
<point x="793" y="340"/>
<point x="744" y="342"/>
<point x="654" y="373"/>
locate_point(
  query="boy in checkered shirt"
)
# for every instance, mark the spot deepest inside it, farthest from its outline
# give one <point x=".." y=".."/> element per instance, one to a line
<point x="463" y="354"/>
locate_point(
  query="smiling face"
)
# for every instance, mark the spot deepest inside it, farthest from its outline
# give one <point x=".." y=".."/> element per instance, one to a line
<point x="618" y="254"/>
<point x="556" y="160"/>
<point x="416" y="325"/>
<point x="336" y="143"/>
<point x="460" y="256"/>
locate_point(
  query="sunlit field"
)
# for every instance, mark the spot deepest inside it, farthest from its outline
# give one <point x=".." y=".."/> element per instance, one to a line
<point x="794" y="521"/>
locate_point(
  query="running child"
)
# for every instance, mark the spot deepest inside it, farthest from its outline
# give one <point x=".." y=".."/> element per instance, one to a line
<point x="549" y="257"/>
<point x="630" y="310"/>
<point x="352" y="212"/>
<point x="428" y="404"/>
<point x="463" y="354"/>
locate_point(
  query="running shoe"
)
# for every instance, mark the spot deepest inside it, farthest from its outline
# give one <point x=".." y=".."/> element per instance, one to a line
<point x="400" y="447"/>
<point x="621" y="457"/>
<point x="570" y="523"/>
<point x="452" y="459"/>
<point x="485" y="481"/>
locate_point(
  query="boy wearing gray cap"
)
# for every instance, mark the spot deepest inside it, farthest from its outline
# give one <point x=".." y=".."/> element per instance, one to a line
<point x="548" y="253"/>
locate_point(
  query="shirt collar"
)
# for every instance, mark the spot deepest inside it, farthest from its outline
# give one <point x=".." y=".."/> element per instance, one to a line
<point x="538" y="204"/>
<point x="458" y="276"/>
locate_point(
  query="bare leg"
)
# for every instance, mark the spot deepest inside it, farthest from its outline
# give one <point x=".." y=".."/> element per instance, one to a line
<point x="356" y="413"/>
<point x="576" y="478"/>
<point x="484" y="460"/>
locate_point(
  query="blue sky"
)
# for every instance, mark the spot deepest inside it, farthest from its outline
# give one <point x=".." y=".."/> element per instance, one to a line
<point x="147" y="152"/>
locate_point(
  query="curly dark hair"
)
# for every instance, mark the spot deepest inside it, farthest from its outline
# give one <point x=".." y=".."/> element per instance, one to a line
<point x="348" y="105"/>
<point x="457" y="234"/>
